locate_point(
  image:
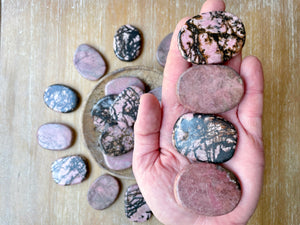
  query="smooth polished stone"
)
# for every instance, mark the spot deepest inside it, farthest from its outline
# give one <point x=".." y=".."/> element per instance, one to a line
<point x="121" y="162"/>
<point x="127" y="43"/>
<point x="157" y="93"/>
<point x="69" y="170"/>
<point x="204" y="137"/>
<point x="89" y="62"/>
<point x="210" y="89"/>
<point x="117" y="85"/>
<point x="211" y="37"/>
<point x="103" y="192"/>
<point x="61" y="98"/>
<point x="207" y="189"/>
<point x="163" y="49"/>
<point x="55" y="136"/>
<point x="101" y="114"/>
<point x="125" y="107"/>
<point x="115" y="141"/>
<point x="136" y="208"/>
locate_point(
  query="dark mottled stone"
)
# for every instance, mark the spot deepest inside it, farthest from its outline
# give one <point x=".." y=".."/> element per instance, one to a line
<point x="207" y="189"/>
<point x="127" y="43"/>
<point x="55" y="136"/>
<point x="210" y="89"/>
<point x="211" y="37"/>
<point x="136" y="209"/>
<point x="126" y="105"/>
<point x="163" y="49"/>
<point x="61" y="98"/>
<point x="117" y="85"/>
<point x="115" y="141"/>
<point x="157" y="93"/>
<point x="69" y="170"/>
<point x="89" y="63"/>
<point x="101" y="114"/>
<point x="103" y="192"/>
<point x="204" y="137"/>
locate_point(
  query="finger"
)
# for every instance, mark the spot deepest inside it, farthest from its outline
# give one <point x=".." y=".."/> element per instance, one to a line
<point x="213" y="5"/>
<point x="146" y="133"/>
<point x="235" y="62"/>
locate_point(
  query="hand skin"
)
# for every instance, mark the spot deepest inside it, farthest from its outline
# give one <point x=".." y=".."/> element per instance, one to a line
<point x="156" y="162"/>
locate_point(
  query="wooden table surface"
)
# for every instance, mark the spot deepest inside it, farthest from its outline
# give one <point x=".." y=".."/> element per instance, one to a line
<point x="38" y="40"/>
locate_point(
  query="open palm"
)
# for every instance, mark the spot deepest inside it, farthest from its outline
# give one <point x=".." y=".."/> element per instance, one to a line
<point x="156" y="162"/>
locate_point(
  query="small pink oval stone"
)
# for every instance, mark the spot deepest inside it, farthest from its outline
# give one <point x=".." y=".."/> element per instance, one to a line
<point x="121" y="162"/>
<point x="55" y="136"/>
<point x="116" y="86"/>
<point x="207" y="189"/>
<point x="210" y="88"/>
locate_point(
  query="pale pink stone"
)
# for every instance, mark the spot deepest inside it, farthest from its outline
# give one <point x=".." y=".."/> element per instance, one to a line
<point x="116" y="86"/>
<point x="119" y="162"/>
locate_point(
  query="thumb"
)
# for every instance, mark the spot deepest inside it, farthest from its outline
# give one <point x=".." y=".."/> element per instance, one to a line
<point x="146" y="134"/>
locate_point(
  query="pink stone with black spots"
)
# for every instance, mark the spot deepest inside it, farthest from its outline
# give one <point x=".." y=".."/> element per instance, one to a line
<point x="121" y="162"/>
<point x="207" y="189"/>
<point x="69" y="170"/>
<point x="211" y="37"/>
<point x="103" y="192"/>
<point x="89" y="63"/>
<point x="210" y="88"/>
<point x="204" y="137"/>
<point x="116" y="86"/>
<point x="136" y="209"/>
<point x="115" y="141"/>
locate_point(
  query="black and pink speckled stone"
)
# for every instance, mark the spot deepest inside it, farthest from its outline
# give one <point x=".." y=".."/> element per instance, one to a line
<point x="103" y="192"/>
<point x="204" y="137"/>
<point x="136" y="209"/>
<point x="115" y="141"/>
<point x="69" y="170"/>
<point x="127" y="43"/>
<point x="163" y="49"/>
<point x="117" y="85"/>
<point x="211" y="37"/>
<point x="207" y="189"/>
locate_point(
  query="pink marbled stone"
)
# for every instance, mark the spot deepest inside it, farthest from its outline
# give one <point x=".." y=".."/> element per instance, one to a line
<point x="55" y="136"/>
<point x="116" y="86"/>
<point x="89" y="63"/>
<point x="119" y="162"/>
<point x="207" y="189"/>
<point x="210" y="88"/>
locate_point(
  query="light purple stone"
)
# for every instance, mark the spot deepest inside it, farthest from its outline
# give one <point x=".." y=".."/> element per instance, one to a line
<point x="157" y="93"/>
<point x="55" y="136"/>
<point x="163" y="49"/>
<point x="119" y="162"/>
<point x="89" y="63"/>
<point x="116" y="86"/>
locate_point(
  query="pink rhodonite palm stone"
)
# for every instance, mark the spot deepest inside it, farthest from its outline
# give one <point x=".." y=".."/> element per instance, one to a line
<point x="211" y="37"/>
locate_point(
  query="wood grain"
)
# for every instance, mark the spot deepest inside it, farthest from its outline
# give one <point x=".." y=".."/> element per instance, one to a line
<point x="38" y="40"/>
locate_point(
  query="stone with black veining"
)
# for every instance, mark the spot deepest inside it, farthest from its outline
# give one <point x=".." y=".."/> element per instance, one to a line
<point x="127" y="43"/>
<point x="115" y="141"/>
<point x="204" y="137"/>
<point x="117" y="85"/>
<point x="121" y="162"/>
<point x="89" y="63"/>
<point x="207" y="189"/>
<point x="163" y="49"/>
<point x="136" y="208"/>
<point x="69" y="170"/>
<point x="55" y="136"/>
<point x="211" y="37"/>
<point x="210" y="88"/>
<point x="101" y="112"/>
<point x="61" y="98"/>
<point x="125" y="107"/>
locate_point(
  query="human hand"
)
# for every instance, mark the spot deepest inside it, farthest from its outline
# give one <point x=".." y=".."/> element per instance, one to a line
<point x="156" y="162"/>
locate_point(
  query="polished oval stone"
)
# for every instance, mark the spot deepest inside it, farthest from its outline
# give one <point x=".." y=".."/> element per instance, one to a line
<point x="115" y="141"/>
<point x="101" y="114"/>
<point x="55" y="136"/>
<point x="127" y="43"/>
<point x="211" y="37"/>
<point x="69" y="170"/>
<point x="103" y="192"/>
<point x="163" y="49"/>
<point x="121" y="162"/>
<point x="117" y="85"/>
<point x="157" y="93"/>
<point x="204" y="137"/>
<point x="210" y="89"/>
<point x="207" y="189"/>
<point x="136" y="208"/>
<point x="125" y="107"/>
<point x="89" y="63"/>
<point x="61" y="98"/>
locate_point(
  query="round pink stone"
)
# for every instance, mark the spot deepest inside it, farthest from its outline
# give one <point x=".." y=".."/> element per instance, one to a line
<point x="116" y="86"/>
<point x="121" y="162"/>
